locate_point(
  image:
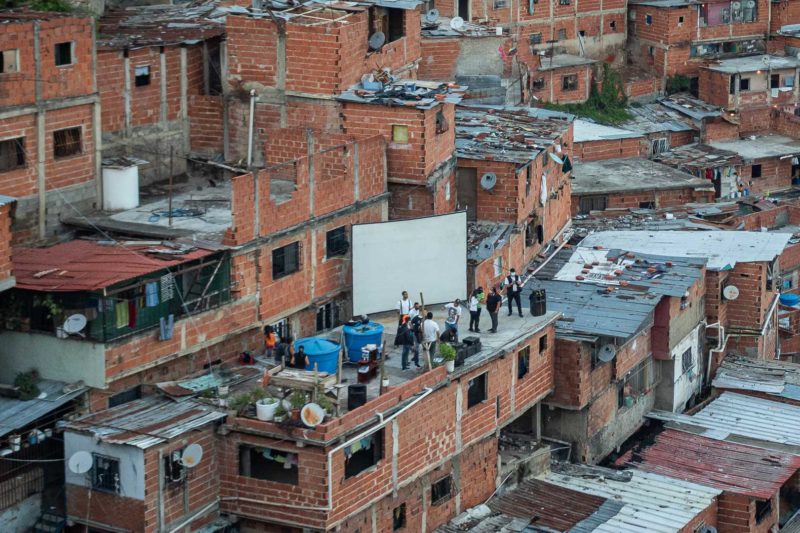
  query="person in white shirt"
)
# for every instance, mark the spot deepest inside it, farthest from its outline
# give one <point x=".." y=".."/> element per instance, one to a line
<point x="430" y="334"/>
<point x="403" y="307"/>
<point x="415" y="311"/>
<point x="453" y="315"/>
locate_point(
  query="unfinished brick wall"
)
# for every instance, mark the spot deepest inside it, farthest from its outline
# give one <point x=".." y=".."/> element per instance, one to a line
<point x="554" y="89"/>
<point x="776" y="175"/>
<point x="6" y="213"/>
<point x="21" y="181"/>
<point x="206" y="119"/>
<point x="74" y="169"/>
<point x="610" y="149"/>
<point x="737" y="514"/>
<point x="636" y="199"/>
<point x="438" y="58"/>
<point x="714" y="88"/>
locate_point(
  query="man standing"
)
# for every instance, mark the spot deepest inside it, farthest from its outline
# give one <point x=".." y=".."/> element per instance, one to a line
<point x="403" y="307"/>
<point x="475" y="302"/>
<point x="415" y="311"/>
<point x="405" y="338"/>
<point x="513" y="292"/>
<point x="430" y="334"/>
<point x="453" y="315"/>
<point x="493" y="303"/>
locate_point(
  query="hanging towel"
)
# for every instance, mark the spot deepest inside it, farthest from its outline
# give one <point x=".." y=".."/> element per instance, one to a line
<point x="166" y="325"/>
<point x="121" y="311"/>
<point x="567" y="166"/>
<point x="151" y="294"/>
<point x="131" y="313"/>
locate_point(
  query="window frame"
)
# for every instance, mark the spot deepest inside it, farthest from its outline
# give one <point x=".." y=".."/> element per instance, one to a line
<point x="58" y="53"/>
<point x="68" y="148"/>
<point x="756" y="171"/>
<point x="446" y="481"/>
<point x="377" y="450"/>
<point x="19" y="153"/>
<point x="246" y="470"/>
<point x="398" y="128"/>
<point x="100" y="486"/>
<point x="478" y="398"/>
<point x="744" y="84"/>
<point x="14" y="63"/>
<point x="336" y="242"/>
<point x="399" y="517"/>
<point x="569" y="82"/>
<point x="145" y="77"/>
<point x="284" y="272"/>
<point x="523" y="356"/>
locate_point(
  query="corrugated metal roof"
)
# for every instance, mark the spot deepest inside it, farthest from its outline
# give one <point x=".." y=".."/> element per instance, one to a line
<point x="88" y="266"/>
<point x="745" y="373"/>
<point x="728" y="466"/>
<point x="591" y="310"/>
<point x="146" y="422"/>
<point x="690" y="106"/>
<point x="723" y="249"/>
<point x="653" y="118"/>
<point x="16" y="414"/>
<point x="653" y="503"/>
<point x="586" y="130"/>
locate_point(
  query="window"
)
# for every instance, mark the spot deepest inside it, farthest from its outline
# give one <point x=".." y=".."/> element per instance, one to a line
<point x="562" y="34"/>
<point x="763" y="510"/>
<point x="755" y="171"/>
<point x="744" y="84"/>
<point x="523" y="362"/>
<point x="569" y="83"/>
<point x="9" y="61"/>
<point x="67" y="142"/>
<point x="285" y="260"/>
<point x="563" y="2"/>
<point x="173" y="468"/>
<point x="647" y="205"/>
<point x="142" y="75"/>
<point x="648" y="19"/>
<point x="63" y="53"/>
<point x="775" y="81"/>
<point x="581" y="33"/>
<point x="687" y="360"/>
<point x="388" y="21"/>
<point x="336" y="242"/>
<point x="476" y="391"/>
<point x="651" y="51"/>
<point x="680" y="21"/>
<point x="771" y="269"/>
<point x="12" y="154"/>
<point x="593" y="203"/>
<point x="268" y="464"/>
<point x="441" y="490"/>
<point x="441" y="122"/>
<point x="636" y="383"/>
<point x="399" y="517"/>
<point x="613" y="25"/>
<point x="125" y="396"/>
<point x="363" y="454"/>
<point x="542" y="344"/>
<point x="535" y="38"/>
<point x="399" y="134"/>
<point x="538" y="84"/>
<point x="498" y="266"/>
<point x="500" y="4"/>
<point x="327" y="316"/>
<point x="660" y="146"/>
<point x="105" y="473"/>
<point x="733" y="85"/>
<point x="528" y="179"/>
<point x="788" y="81"/>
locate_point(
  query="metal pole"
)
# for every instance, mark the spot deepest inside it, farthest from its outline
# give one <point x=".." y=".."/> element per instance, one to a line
<point x="169" y="207"/>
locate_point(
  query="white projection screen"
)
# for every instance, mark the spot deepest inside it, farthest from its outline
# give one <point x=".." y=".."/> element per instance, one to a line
<point x="427" y="255"/>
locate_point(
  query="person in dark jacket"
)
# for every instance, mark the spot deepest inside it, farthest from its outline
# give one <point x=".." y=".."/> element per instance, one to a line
<point x="299" y="359"/>
<point x="493" y="303"/>
<point x="406" y="338"/>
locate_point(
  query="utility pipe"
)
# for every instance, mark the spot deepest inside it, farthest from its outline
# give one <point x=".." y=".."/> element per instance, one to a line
<point x="250" y="128"/>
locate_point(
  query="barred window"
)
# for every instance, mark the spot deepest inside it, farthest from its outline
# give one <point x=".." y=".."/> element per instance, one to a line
<point x="67" y="142"/>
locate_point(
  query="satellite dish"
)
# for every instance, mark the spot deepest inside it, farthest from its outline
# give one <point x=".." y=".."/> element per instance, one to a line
<point x="607" y="352"/>
<point x="457" y="23"/>
<point x="74" y="323"/>
<point x="488" y="181"/>
<point x="555" y="158"/>
<point x="192" y="455"/>
<point x="485" y="251"/>
<point x="376" y="40"/>
<point x="432" y="15"/>
<point x="736" y="5"/>
<point x="80" y="462"/>
<point x="751" y="3"/>
<point x="731" y="292"/>
<point x="312" y="414"/>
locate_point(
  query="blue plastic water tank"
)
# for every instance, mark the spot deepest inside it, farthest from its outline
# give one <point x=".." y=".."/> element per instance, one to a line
<point x="320" y="351"/>
<point x="358" y="336"/>
<point x="790" y="299"/>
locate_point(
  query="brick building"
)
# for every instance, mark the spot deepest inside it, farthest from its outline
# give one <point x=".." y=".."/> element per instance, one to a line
<point x="597" y="142"/>
<point x="49" y="119"/>
<point x="159" y="79"/>
<point x="767" y="162"/>
<point x="562" y="79"/>
<point x="512" y="178"/>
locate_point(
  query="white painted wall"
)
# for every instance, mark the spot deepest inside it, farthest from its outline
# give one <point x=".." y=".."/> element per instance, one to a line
<point x="131" y="463"/>
<point x="58" y="359"/>
<point x="684" y="385"/>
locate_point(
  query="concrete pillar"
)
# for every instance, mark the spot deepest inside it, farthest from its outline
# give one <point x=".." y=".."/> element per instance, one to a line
<point x="126" y="93"/>
<point x="162" y="58"/>
<point x="97" y="127"/>
<point x="395" y="454"/>
<point x="311" y="180"/>
<point x="206" y="83"/>
<point x="280" y="73"/>
<point x="223" y="74"/>
<point x="185" y="100"/>
<point x="459" y="415"/>
<point x="356" y="169"/>
<point x="41" y="184"/>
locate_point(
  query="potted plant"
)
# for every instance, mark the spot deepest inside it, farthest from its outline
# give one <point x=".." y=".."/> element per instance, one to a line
<point x="265" y="408"/>
<point x="26" y="382"/>
<point x="448" y="354"/>
<point x="297" y="400"/>
<point x="239" y="403"/>
<point x="280" y="414"/>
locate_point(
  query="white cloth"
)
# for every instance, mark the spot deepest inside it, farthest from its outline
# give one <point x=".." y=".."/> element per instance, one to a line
<point x="404" y="306"/>
<point x="473" y="303"/>
<point x="412" y="314"/>
<point x="453" y="313"/>
<point x="430" y="331"/>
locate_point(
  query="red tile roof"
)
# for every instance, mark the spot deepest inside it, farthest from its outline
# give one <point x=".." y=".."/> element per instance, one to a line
<point x="735" y="468"/>
<point x="88" y="266"/>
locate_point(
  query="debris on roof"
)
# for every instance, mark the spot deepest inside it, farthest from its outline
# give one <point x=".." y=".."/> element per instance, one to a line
<point x="508" y="134"/>
<point x="442" y="27"/>
<point x="690" y="106"/>
<point x="737" y="65"/>
<point x="146" y="422"/>
<point x="631" y="174"/>
<point x="759" y="147"/>
<point x="483" y="238"/>
<point x="693" y="157"/>
<point x="723" y="249"/>
<point x="83" y="265"/>
<point x="587" y="131"/>
<point x="15" y="414"/>
<point x="778" y="378"/>
<point x="655" y="118"/>
<point x="187" y="388"/>
<point x="558" y="61"/>
<point x="404" y="93"/>
<point x="727" y="466"/>
<point x="24" y="15"/>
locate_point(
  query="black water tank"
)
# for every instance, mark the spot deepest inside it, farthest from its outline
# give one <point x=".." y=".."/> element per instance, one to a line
<point x="538" y="301"/>
<point x="356" y="396"/>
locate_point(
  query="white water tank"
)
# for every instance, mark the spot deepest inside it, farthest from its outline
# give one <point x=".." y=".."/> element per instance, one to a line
<point x="120" y="183"/>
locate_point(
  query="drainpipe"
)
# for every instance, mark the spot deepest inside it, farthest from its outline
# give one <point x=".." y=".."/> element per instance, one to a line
<point x="722" y="340"/>
<point x="250" y="128"/>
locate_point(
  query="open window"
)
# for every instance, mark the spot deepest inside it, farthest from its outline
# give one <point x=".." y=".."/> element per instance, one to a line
<point x="538" y="84"/>
<point x="9" y="61"/>
<point x="441" y="490"/>
<point x="687" y="360"/>
<point x="285" y="260"/>
<point x="441" y="122"/>
<point x="569" y="82"/>
<point x="399" y="517"/>
<point x="763" y="510"/>
<point x="363" y="454"/>
<point x="269" y="464"/>
<point x="523" y="362"/>
<point x="744" y="84"/>
<point x="64" y="54"/>
<point x="67" y="142"/>
<point x="105" y="473"/>
<point x="336" y="242"/>
<point x="636" y="383"/>
<point x="389" y="21"/>
<point x="542" y="344"/>
<point x="477" y="390"/>
<point x="12" y="154"/>
<point x="142" y="75"/>
<point x="755" y="171"/>
<point x="174" y="471"/>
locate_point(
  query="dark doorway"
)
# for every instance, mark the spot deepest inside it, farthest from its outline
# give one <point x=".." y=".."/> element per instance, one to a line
<point x="463" y="9"/>
<point x="467" y="191"/>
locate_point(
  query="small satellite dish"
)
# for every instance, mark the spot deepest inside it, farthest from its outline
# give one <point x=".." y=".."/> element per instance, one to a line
<point x="736" y="5"/>
<point x="80" y="462"/>
<point x="607" y="352"/>
<point x="457" y="23"/>
<point x="192" y="455"/>
<point x="432" y="16"/>
<point x="751" y="3"/>
<point x="312" y="414"/>
<point x="488" y="181"/>
<point x="74" y="323"/>
<point x="731" y="292"/>
<point x="555" y="158"/>
<point x="376" y="40"/>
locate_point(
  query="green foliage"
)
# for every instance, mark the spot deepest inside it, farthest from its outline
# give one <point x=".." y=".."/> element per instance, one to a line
<point x="54" y="310"/>
<point x="607" y="104"/>
<point x="280" y="410"/>
<point x="257" y="393"/>
<point x="447" y="352"/>
<point x="240" y="402"/>
<point x="26" y="383"/>
<point x="297" y="400"/>
<point x="59" y="6"/>
<point x="677" y="84"/>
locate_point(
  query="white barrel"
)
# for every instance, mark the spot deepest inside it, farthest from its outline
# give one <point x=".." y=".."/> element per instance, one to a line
<point x="120" y="187"/>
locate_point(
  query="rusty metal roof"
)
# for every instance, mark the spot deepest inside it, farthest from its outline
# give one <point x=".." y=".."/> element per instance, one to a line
<point x="731" y="467"/>
<point x="84" y="265"/>
<point x="146" y="422"/>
